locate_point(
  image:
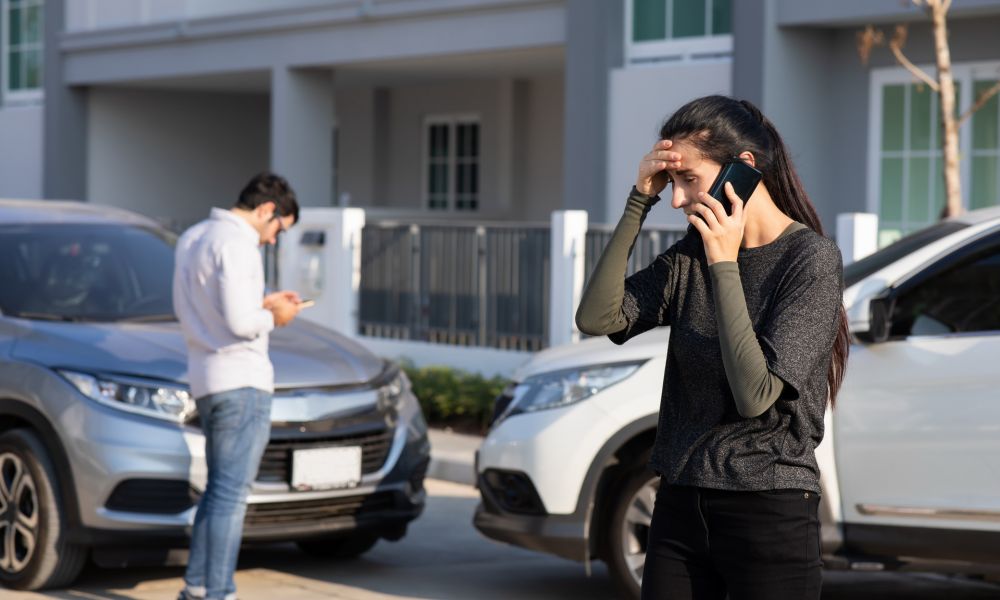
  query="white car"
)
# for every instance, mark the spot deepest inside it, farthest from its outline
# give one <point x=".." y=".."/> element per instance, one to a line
<point x="911" y="458"/>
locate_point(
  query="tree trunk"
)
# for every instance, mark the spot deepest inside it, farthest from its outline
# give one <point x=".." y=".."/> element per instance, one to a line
<point x="949" y="123"/>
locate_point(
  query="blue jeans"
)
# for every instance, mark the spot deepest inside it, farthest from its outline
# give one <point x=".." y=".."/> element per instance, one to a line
<point x="237" y="425"/>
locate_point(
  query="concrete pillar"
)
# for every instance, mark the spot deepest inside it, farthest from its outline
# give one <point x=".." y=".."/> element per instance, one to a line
<point x="569" y="235"/>
<point x="302" y="132"/>
<point x="64" y="149"/>
<point x="321" y="259"/>
<point x="594" y="45"/>
<point x="857" y="235"/>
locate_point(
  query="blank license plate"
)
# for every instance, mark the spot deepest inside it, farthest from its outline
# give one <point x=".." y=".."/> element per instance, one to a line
<point x="326" y="468"/>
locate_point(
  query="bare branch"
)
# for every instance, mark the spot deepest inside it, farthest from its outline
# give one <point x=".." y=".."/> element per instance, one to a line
<point x="896" y="45"/>
<point x="868" y="39"/>
<point x="980" y="102"/>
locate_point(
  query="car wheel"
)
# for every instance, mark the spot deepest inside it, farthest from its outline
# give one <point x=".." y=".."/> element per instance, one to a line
<point x="341" y="548"/>
<point x="627" y="530"/>
<point x="34" y="553"/>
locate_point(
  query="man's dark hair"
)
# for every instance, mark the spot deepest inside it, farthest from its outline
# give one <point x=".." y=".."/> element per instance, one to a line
<point x="268" y="187"/>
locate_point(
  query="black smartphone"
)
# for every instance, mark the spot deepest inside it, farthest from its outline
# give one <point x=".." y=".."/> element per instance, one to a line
<point x="743" y="177"/>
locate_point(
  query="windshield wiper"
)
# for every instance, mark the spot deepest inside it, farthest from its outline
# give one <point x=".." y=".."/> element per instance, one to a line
<point x="41" y="316"/>
<point x="161" y="318"/>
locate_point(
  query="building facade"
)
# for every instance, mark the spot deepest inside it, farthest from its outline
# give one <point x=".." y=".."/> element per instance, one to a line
<point x="469" y="109"/>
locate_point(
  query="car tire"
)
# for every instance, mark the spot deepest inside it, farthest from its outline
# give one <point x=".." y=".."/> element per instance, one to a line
<point x="34" y="552"/>
<point x="627" y="530"/>
<point x="340" y="548"/>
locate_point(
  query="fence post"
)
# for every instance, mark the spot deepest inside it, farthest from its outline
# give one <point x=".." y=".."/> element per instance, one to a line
<point x="569" y="236"/>
<point x="321" y="258"/>
<point x="857" y="235"/>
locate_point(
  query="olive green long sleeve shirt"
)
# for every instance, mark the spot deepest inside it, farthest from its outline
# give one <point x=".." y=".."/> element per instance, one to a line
<point x="602" y="311"/>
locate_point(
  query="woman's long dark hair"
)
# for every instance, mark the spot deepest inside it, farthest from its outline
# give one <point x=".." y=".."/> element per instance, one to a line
<point x="721" y="128"/>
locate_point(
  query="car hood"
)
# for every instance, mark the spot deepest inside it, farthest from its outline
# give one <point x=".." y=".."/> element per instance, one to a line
<point x="304" y="354"/>
<point x="595" y="351"/>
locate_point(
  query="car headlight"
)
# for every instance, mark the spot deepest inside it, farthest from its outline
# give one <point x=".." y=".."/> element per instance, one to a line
<point x="392" y="393"/>
<point x="562" y="388"/>
<point x="150" y="398"/>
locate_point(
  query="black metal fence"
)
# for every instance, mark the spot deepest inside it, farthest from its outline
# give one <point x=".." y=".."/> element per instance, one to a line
<point x="462" y="284"/>
<point x="648" y="245"/>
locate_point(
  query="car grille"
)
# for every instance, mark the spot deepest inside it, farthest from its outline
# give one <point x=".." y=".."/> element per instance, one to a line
<point x="315" y="511"/>
<point x="276" y="464"/>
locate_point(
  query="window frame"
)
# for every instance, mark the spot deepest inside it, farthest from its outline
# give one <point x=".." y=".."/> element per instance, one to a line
<point x="452" y="121"/>
<point x="9" y="97"/>
<point x="686" y="49"/>
<point x="965" y="74"/>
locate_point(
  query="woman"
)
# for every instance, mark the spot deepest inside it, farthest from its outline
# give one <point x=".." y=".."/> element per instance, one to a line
<point x="758" y="345"/>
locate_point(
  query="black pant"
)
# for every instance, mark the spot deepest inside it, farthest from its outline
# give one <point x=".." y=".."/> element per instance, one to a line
<point x="705" y="543"/>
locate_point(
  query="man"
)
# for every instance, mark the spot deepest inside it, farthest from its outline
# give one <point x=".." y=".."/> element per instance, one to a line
<point x="226" y="318"/>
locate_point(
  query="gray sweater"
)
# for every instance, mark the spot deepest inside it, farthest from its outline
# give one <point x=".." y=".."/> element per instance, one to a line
<point x="744" y="391"/>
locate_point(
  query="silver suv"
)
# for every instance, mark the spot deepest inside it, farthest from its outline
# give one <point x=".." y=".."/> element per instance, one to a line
<point x="100" y="446"/>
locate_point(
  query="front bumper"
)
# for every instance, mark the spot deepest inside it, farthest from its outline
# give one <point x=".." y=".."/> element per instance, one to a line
<point x="113" y="450"/>
<point x="561" y="535"/>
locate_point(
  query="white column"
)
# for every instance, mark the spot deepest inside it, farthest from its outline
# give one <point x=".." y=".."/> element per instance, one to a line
<point x="569" y="234"/>
<point x="321" y="259"/>
<point x="302" y="132"/>
<point x="857" y="235"/>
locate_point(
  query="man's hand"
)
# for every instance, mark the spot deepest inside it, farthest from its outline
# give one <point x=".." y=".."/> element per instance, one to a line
<point x="284" y="306"/>
<point x="292" y="297"/>
<point x="653" y="177"/>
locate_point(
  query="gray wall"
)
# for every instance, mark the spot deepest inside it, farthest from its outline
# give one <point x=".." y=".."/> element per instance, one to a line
<point x="174" y="154"/>
<point x="541" y="146"/>
<point x="65" y="130"/>
<point x="356" y="156"/>
<point x="408" y="108"/>
<point x="382" y="149"/>
<point x="21" y="152"/>
<point x="594" y="46"/>
<point x="328" y="34"/>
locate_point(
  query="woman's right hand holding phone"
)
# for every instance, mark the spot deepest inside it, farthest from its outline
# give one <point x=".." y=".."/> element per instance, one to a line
<point x="653" y="177"/>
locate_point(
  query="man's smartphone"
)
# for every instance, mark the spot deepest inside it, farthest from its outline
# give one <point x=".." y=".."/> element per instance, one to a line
<point x="743" y="177"/>
<point x="307" y="303"/>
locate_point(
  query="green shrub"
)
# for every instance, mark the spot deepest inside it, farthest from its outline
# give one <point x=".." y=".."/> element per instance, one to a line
<point x="454" y="398"/>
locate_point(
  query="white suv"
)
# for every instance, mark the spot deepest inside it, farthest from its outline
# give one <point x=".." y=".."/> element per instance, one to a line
<point x="911" y="452"/>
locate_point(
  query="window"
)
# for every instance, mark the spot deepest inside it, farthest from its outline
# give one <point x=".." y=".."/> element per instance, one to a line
<point x="985" y="150"/>
<point x="452" y="163"/>
<point x="658" y="30"/>
<point x="962" y="299"/>
<point x="21" y="44"/>
<point x="907" y="187"/>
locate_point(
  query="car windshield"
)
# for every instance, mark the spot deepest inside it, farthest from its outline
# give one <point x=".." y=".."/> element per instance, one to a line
<point x="857" y="271"/>
<point x="84" y="272"/>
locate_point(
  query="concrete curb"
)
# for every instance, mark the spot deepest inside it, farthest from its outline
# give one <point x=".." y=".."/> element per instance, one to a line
<point x="453" y="456"/>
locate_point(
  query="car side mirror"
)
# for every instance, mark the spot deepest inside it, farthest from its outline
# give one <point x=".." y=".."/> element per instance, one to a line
<point x="879" y="319"/>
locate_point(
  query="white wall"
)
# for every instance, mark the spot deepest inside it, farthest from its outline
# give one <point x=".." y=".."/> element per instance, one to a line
<point x="174" y="154"/>
<point x="640" y="100"/>
<point x="21" y="133"/>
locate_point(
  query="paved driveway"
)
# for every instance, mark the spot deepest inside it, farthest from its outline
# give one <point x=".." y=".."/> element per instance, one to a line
<point x="444" y="557"/>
